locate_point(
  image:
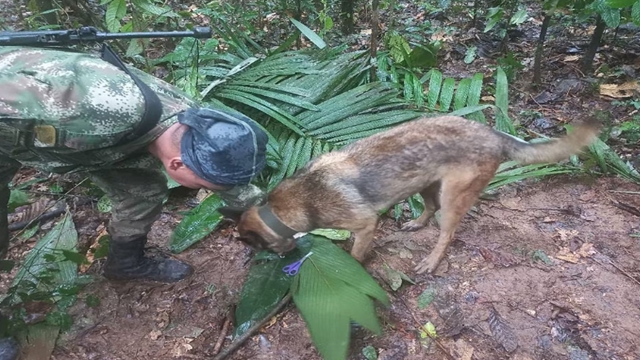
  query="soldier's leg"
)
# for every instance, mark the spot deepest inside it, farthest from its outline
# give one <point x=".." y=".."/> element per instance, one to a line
<point x="136" y="196"/>
<point x="8" y="169"/>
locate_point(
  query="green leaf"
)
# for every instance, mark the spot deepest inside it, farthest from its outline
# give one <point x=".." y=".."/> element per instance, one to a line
<point x="430" y="329"/>
<point x="426" y="297"/>
<point x="115" y="12"/>
<point x="503" y="123"/>
<point x="332" y="234"/>
<point x="519" y="17"/>
<point x="74" y="257"/>
<point x="434" y="88"/>
<point x="200" y="222"/>
<point x="370" y="353"/>
<point x="310" y="34"/>
<point x="56" y="189"/>
<point x="151" y="8"/>
<point x="446" y="94"/>
<point x="540" y="255"/>
<point x="30" y="232"/>
<point x="102" y="249"/>
<point x="17" y="198"/>
<point x="460" y="99"/>
<point x="511" y="172"/>
<point x="63" y="237"/>
<point x="618" y="4"/>
<point x="396" y="277"/>
<point x="60" y="319"/>
<point x="332" y="289"/>
<point x="104" y="204"/>
<point x="265" y="286"/>
<point x="635" y="13"/>
<point x="611" y="17"/>
<point x="470" y="55"/>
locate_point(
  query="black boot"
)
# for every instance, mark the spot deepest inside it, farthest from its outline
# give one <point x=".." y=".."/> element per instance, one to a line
<point x="8" y="349"/>
<point x="126" y="261"/>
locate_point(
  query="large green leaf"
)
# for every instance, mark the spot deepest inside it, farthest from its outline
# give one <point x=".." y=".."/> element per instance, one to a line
<point x="310" y="34"/>
<point x="48" y="257"/>
<point x="332" y="289"/>
<point x="116" y="10"/>
<point x="503" y="123"/>
<point x="200" y="222"/>
<point x="635" y="13"/>
<point x="510" y="172"/>
<point x="618" y="4"/>
<point x="265" y="286"/>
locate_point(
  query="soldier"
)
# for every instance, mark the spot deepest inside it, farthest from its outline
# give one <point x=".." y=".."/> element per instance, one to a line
<point x="64" y="111"/>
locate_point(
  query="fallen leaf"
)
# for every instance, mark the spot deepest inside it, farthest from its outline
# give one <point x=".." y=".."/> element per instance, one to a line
<point x="463" y="350"/>
<point x="586" y="250"/>
<point x="90" y="256"/>
<point x="426" y="297"/>
<point x="488" y="98"/>
<point x="572" y="258"/>
<point x="395" y="278"/>
<point x="625" y="90"/>
<point x="503" y="334"/>
<point x="571" y="58"/>
<point x="155" y="334"/>
<point x="566" y="235"/>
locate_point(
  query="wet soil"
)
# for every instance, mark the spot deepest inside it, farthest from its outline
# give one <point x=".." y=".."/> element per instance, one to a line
<point x="496" y="289"/>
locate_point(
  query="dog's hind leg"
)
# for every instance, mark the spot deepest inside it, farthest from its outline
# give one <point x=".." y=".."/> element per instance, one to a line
<point x="460" y="189"/>
<point x="363" y="239"/>
<point x="431" y="197"/>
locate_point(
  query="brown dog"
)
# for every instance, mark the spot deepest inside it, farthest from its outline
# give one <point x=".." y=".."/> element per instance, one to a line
<point x="448" y="160"/>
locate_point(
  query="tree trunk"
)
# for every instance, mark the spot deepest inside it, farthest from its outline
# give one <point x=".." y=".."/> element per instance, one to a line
<point x="596" y="38"/>
<point x="538" y="58"/>
<point x="374" y="37"/>
<point x="346" y="13"/>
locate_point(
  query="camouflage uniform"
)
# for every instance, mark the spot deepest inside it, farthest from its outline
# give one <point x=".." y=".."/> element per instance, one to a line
<point x="64" y="111"/>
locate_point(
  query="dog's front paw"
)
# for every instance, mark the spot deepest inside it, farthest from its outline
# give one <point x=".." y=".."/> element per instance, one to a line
<point x="412" y="225"/>
<point x="430" y="264"/>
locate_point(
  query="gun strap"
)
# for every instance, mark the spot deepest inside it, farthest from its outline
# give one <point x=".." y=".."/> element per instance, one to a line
<point x="152" y="104"/>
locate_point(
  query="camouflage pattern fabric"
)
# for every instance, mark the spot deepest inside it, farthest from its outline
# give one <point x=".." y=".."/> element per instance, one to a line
<point x="63" y="111"/>
<point x="90" y="103"/>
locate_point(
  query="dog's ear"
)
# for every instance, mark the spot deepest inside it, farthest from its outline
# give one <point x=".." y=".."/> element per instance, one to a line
<point x="232" y="214"/>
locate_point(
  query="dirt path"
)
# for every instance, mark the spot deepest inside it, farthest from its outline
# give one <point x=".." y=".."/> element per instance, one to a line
<point x="556" y="310"/>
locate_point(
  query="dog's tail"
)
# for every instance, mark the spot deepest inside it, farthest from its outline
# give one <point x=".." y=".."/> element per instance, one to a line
<point x="553" y="150"/>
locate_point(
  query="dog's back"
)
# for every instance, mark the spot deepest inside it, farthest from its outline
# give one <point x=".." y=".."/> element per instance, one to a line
<point x="390" y="166"/>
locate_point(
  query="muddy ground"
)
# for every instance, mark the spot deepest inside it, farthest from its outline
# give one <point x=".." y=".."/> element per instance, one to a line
<point x="576" y="305"/>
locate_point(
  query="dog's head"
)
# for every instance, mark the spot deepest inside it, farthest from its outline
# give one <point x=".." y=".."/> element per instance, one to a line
<point x="255" y="233"/>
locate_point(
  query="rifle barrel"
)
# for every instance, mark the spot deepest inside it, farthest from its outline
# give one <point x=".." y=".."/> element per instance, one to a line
<point x="87" y="34"/>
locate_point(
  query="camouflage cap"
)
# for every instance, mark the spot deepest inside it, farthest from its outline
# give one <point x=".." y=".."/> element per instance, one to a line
<point x="222" y="148"/>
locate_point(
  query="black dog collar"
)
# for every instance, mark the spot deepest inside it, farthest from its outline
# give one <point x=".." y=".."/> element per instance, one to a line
<point x="274" y="223"/>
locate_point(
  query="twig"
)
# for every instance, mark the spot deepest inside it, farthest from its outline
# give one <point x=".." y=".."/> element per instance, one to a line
<point x="625" y="192"/>
<point x="249" y="333"/>
<point x="619" y="269"/>
<point x="223" y="333"/>
<point x="625" y="207"/>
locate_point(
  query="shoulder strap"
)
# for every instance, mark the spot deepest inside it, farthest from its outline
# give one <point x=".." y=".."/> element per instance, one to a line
<point x="152" y="104"/>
